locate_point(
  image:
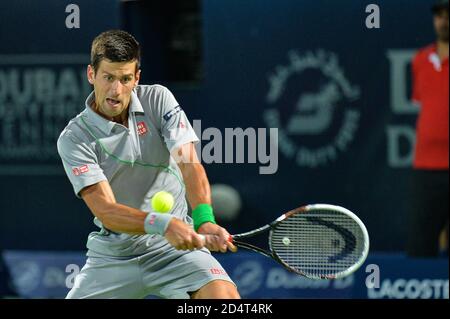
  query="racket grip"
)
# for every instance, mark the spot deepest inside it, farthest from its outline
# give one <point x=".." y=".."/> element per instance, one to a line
<point x="203" y="238"/>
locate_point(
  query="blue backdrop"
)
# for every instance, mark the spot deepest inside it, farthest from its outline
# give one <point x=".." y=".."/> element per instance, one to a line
<point x="267" y="64"/>
<point x="51" y="275"/>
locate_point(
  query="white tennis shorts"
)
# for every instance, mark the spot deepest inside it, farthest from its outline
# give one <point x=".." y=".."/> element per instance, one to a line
<point x="165" y="273"/>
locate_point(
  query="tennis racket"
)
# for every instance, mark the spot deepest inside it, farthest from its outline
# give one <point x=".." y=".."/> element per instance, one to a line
<point x="317" y="241"/>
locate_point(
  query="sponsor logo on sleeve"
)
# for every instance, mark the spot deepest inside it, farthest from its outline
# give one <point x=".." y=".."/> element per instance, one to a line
<point x="173" y="112"/>
<point x="80" y="170"/>
<point x="217" y="271"/>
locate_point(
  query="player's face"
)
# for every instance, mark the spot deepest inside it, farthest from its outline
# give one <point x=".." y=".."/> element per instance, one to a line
<point x="440" y="21"/>
<point x="113" y="83"/>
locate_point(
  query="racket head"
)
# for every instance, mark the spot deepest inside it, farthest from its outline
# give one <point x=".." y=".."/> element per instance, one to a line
<point x="324" y="241"/>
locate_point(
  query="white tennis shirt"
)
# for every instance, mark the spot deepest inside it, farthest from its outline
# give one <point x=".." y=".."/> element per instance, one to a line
<point x="135" y="161"/>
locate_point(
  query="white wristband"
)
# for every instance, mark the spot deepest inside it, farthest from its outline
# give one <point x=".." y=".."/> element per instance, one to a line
<point x="156" y="223"/>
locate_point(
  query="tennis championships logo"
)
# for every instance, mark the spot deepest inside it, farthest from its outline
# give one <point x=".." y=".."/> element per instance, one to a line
<point x="313" y="105"/>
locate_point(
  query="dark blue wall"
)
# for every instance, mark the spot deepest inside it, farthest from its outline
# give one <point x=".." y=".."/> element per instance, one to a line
<point x="38" y="209"/>
<point x="243" y="43"/>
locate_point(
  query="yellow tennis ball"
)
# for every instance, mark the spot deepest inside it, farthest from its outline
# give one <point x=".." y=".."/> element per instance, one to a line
<point x="162" y="202"/>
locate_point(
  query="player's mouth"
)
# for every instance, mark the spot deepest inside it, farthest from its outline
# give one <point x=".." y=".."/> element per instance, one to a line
<point x="112" y="102"/>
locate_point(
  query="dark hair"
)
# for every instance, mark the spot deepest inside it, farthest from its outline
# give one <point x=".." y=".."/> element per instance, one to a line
<point x="438" y="6"/>
<point x="116" y="46"/>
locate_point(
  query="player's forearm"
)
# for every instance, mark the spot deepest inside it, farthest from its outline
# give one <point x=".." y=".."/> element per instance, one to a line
<point x="198" y="190"/>
<point x="117" y="217"/>
<point x="122" y="219"/>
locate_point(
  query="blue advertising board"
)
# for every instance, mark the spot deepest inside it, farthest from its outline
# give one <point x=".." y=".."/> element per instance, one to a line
<point x="393" y="276"/>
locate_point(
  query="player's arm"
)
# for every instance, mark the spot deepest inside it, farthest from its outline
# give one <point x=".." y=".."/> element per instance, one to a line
<point x="91" y="184"/>
<point x="114" y="216"/>
<point x="198" y="192"/>
<point x="121" y="218"/>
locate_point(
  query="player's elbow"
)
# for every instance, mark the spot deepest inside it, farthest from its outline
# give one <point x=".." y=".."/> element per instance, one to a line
<point x="105" y="215"/>
<point x="109" y="222"/>
<point x="109" y="225"/>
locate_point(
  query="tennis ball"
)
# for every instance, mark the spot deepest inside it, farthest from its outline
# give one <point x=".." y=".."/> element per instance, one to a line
<point x="286" y="241"/>
<point x="162" y="202"/>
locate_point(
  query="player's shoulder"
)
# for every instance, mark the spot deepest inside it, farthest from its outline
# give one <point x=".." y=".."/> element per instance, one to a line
<point x="156" y="99"/>
<point x="423" y="53"/>
<point x="73" y="132"/>
<point x="146" y="90"/>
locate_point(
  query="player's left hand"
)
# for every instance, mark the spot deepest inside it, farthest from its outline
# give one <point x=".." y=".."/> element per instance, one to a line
<point x="219" y="242"/>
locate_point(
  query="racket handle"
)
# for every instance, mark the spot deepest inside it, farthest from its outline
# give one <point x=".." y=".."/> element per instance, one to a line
<point x="203" y="238"/>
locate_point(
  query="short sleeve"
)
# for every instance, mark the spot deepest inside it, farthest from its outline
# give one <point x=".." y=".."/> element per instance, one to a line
<point x="79" y="161"/>
<point x="173" y="122"/>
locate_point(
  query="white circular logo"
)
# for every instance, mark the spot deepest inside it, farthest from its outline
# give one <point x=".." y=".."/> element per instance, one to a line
<point x="312" y="104"/>
<point x="26" y="276"/>
<point x="248" y="276"/>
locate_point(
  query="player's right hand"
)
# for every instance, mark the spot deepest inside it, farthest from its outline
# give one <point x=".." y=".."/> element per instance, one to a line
<point x="182" y="237"/>
<point x="217" y="238"/>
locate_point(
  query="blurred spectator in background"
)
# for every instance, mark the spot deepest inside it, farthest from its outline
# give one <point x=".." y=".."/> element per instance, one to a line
<point x="429" y="199"/>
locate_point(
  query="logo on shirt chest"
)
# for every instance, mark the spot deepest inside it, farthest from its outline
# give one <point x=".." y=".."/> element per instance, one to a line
<point x="80" y="170"/>
<point x="142" y="128"/>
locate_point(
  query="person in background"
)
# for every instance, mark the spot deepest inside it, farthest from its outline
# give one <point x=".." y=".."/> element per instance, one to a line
<point x="429" y="213"/>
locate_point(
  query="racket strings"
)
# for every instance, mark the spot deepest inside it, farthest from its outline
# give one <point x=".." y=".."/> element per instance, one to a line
<point x="321" y="243"/>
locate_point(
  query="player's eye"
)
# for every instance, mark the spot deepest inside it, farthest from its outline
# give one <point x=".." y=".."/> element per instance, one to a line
<point x="126" y="79"/>
<point x="108" y="78"/>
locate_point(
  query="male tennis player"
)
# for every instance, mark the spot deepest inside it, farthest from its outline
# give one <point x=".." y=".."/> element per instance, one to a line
<point x="130" y="142"/>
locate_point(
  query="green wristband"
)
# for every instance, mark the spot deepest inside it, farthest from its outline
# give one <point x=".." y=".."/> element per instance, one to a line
<point x="203" y="213"/>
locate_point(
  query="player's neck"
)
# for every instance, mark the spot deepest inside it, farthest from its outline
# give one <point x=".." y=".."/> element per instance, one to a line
<point x="442" y="49"/>
<point x="121" y="118"/>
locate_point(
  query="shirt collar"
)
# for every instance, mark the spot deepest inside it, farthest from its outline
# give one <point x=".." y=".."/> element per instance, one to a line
<point x="106" y="125"/>
<point x="135" y="104"/>
<point x="434" y="52"/>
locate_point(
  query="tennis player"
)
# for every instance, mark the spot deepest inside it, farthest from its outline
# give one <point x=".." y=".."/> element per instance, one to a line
<point x="130" y="142"/>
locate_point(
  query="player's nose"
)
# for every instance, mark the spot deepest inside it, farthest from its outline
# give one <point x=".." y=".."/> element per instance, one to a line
<point x="116" y="88"/>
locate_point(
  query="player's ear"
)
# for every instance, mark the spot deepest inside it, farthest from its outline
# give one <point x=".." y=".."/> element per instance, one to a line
<point x="137" y="76"/>
<point x="90" y="74"/>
